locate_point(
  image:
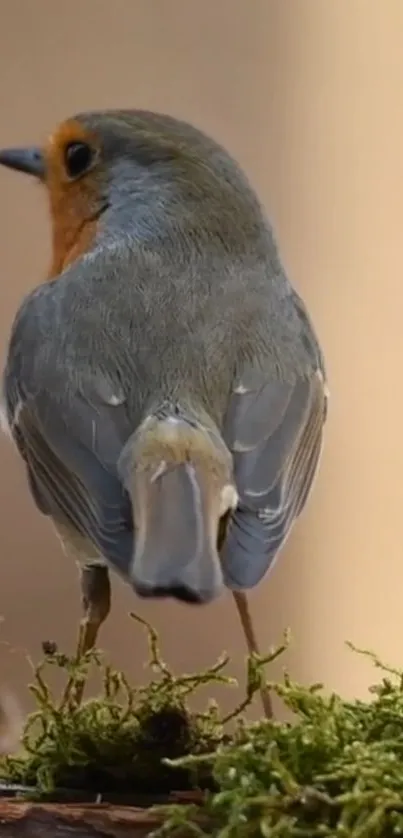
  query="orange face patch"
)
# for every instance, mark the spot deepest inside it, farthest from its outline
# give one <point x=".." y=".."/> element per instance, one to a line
<point x="73" y="202"/>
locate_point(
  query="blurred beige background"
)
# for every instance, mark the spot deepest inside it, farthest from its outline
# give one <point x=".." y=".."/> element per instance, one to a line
<point x="308" y="96"/>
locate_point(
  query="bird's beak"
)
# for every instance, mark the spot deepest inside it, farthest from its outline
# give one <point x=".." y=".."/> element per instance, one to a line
<point x="28" y="160"/>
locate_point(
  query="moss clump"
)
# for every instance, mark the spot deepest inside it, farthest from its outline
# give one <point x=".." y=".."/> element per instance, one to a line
<point x="337" y="770"/>
<point x="119" y="740"/>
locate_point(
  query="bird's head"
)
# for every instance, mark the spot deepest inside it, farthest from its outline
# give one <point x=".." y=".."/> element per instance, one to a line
<point x="128" y="167"/>
<point x="134" y="167"/>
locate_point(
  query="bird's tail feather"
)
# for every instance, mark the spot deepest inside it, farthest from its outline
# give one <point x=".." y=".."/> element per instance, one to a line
<point x="179" y="475"/>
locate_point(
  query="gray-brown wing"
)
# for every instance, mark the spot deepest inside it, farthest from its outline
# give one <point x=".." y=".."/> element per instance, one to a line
<point x="70" y="422"/>
<point x="70" y="447"/>
<point x="71" y="462"/>
<point x="274" y="430"/>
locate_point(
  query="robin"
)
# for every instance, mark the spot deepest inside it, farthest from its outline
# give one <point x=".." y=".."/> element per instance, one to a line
<point x="164" y="386"/>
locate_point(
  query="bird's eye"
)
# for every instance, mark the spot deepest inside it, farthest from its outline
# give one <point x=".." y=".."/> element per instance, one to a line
<point x="78" y="158"/>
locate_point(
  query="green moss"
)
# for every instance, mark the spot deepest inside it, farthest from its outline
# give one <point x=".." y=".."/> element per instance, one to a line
<point x="117" y="741"/>
<point x="337" y="770"/>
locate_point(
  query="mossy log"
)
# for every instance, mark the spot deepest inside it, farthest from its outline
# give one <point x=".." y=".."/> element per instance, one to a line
<point x="336" y="768"/>
<point x="22" y="819"/>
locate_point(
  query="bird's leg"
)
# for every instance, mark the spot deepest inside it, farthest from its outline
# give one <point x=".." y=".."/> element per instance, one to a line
<point x="242" y="605"/>
<point x="95" y="595"/>
<point x="241" y="602"/>
<point x="96" y="604"/>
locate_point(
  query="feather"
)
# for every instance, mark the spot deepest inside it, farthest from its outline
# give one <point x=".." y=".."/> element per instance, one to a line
<point x="275" y="475"/>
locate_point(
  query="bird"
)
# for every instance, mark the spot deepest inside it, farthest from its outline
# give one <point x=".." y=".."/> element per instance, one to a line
<point x="164" y="384"/>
